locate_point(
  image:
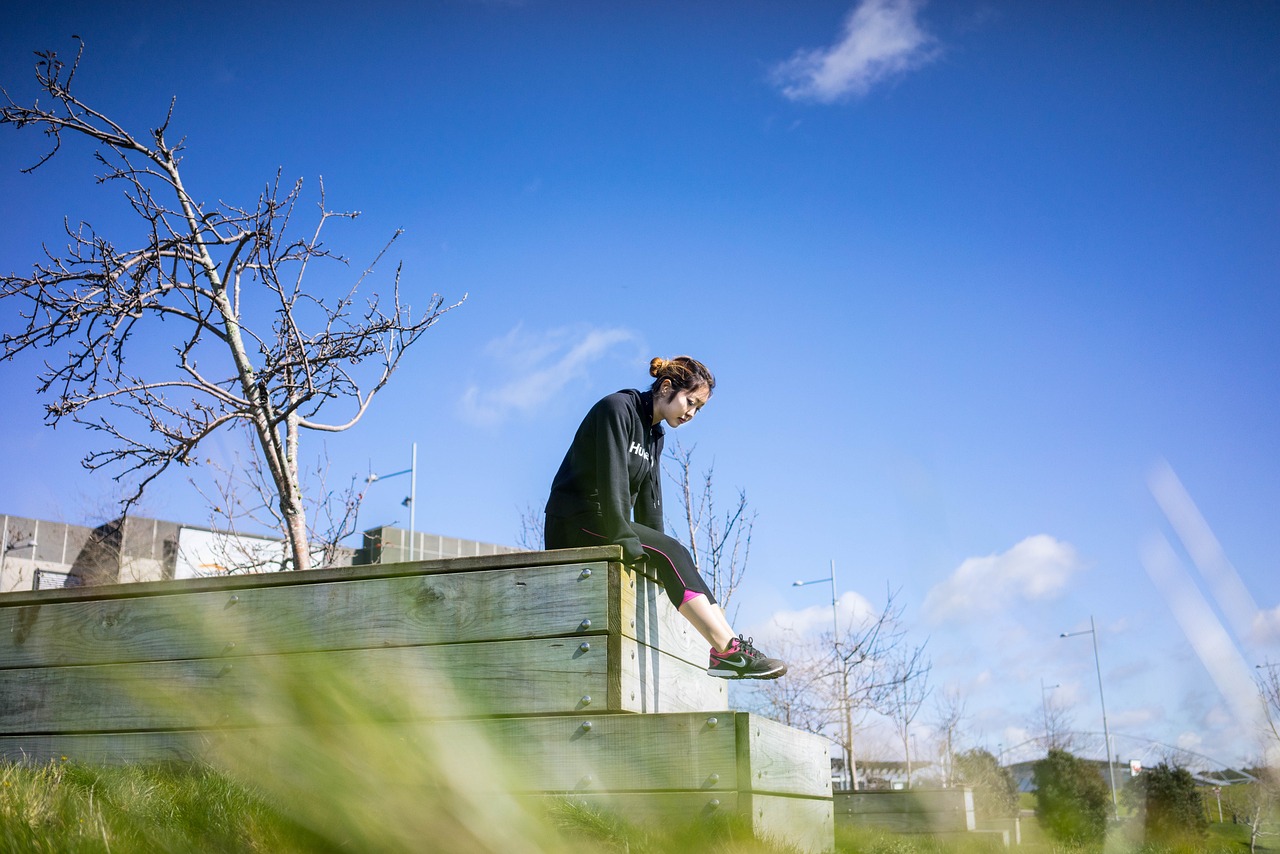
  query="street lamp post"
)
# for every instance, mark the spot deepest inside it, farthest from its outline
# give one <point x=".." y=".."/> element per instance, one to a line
<point x="1106" y="733"/>
<point x="412" y="500"/>
<point x="850" y="767"/>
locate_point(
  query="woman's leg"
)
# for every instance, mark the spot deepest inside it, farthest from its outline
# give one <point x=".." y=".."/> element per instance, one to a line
<point x="709" y="620"/>
<point x="674" y="566"/>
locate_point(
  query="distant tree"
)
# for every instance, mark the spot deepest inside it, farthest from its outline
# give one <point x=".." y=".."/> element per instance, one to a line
<point x="948" y="718"/>
<point x="531" y="536"/>
<point x="1071" y="798"/>
<point x="1253" y="804"/>
<point x="802" y="699"/>
<point x="1171" y="807"/>
<point x="903" y="702"/>
<point x="224" y="285"/>
<point x="1256" y="803"/>
<point x="1055" y="718"/>
<point x="850" y="675"/>
<point x="244" y="492"/>
<point x="995" y="793"/>
<point x="720" y="544"/>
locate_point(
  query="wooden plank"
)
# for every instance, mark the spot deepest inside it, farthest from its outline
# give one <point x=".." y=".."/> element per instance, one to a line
<point x="648" y="768"/>
<point x="184" y="746"/>
<point x="652" y="681"/>
<point x="806" y="824"/>
<point x="494" y="678"/>
<point x="512" y="560"/>
<point x="434" y="608"/>
<point x="651" y="619"/>
<point x="909" y="810"/>
<point x="773" y="757"/>
<point x="585" y="752"/>
<point x="552" y="753"/>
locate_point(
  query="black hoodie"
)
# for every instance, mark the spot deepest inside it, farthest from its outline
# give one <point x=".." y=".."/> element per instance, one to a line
<point x="611" y="469"/>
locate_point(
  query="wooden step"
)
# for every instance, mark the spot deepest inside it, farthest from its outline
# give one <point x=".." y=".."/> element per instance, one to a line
<point x="528" y="633"/>
<point x="658" y="768"/>
<point x="573" y="667"/>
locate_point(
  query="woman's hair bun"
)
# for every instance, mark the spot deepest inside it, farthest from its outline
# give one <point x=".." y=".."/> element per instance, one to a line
<point x="683" y="372"/>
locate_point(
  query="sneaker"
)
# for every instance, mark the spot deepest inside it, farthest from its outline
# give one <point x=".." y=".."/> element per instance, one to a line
<point x="743" y="661"/>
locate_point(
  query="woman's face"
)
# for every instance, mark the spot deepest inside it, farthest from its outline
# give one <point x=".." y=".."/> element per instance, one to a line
<point x="678" y="407"/>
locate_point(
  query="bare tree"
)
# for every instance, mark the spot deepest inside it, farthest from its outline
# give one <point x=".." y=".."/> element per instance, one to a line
<point x="948" y="718"/>
<point x="532" y="534"/>
<point x="250" y="344"/>
<point x="720" y="545"/>
<point x="848" y="676"/>
<point x="1054" y="717"/>
<point x="903" y="702"/>
<point x="803" y="699"/>
<point x="243" y="491"/>
<point x="1255" y="803"/>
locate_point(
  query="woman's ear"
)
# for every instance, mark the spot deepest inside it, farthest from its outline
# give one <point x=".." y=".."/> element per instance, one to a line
<point x="665" y="388"/>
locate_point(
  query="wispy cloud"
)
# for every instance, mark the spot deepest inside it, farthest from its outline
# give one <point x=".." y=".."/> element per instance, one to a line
<point x="530" y="368"/>
<point x="882" y="39"/>
<point x="852" y="608"/>
<point x="1036" y="569"/>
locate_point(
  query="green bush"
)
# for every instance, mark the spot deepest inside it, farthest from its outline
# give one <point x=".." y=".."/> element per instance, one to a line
<point x="1171" y="807"/>
<point x="995" y="794"/>
<point x="1071" y="798"/>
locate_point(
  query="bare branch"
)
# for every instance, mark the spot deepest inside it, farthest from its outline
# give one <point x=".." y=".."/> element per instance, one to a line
<point x="209" y="279"/>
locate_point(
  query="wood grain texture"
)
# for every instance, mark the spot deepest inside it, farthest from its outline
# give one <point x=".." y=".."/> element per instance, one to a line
<point x="496" y="678"/>
<point x="777" y="758"/>
<point x="478" y="605"/>
<point x="652" y="681"/>
<point x="574" y="752"/>
<point x="651" y="618"/>
<point x="803" y="823"/>
<point x="231" y="583"/>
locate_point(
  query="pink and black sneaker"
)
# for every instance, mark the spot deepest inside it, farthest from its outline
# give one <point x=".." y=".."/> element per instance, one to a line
<point x="743" y="661"/>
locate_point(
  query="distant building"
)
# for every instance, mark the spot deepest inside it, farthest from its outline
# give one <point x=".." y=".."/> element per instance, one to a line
<point x="881" y="773"/>
<point x="38" y="553"/>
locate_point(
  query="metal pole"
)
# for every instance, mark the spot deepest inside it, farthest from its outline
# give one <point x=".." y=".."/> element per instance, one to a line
<point x="413" y="501"/>
<point x="1106" y="733"/>
<point x="850" y="762"/>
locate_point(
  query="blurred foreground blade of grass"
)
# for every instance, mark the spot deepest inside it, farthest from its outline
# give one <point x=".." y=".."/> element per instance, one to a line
<point x="351" y="758"/>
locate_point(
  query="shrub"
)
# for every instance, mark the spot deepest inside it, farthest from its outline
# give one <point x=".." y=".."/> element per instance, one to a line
<point x="1171" y="806"/>
<point x="1071" y="798"/>
<point x="995" y="794"/>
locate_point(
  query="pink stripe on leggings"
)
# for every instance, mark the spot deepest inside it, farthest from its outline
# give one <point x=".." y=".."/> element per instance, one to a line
<point x="670" y="562"/>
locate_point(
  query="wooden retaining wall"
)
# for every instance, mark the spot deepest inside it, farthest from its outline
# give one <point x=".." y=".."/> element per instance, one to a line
<point x="932" y="811"/>
<point x="576" y="669"/>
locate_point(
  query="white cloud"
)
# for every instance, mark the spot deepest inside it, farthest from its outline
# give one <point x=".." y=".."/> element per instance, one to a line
<point x="1036" y="569"/>
<point x="532" y="368"/>
<point x="882" y="39"/>
<point x="1265" y="628"/>
<point x="851" y="608"/>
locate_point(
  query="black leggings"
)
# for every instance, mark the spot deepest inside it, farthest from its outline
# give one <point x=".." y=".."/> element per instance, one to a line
<point x="667" y="556"/>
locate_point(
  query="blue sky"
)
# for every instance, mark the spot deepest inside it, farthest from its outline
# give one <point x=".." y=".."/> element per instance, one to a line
<point x="990" y="290"/>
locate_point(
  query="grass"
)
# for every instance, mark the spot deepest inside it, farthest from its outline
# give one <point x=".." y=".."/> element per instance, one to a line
<point x="68" y="808"/>
<point x="64" y="807"/>
<point x="77" y="809"/>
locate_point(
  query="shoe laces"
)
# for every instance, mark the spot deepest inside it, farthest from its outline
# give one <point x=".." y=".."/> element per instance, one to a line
<point x="744" y="646"/>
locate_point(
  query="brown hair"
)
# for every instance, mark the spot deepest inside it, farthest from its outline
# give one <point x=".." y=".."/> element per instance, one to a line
<point x="683" y="371"/>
